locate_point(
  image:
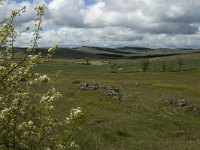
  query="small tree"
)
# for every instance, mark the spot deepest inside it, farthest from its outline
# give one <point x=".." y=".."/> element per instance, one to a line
<point x="87" y="61"/>
<point x="58" y="75"/>
<point x="145" y="64"/>
<point x="163" y="65"/>
<point x="180" y="63"/>
<point x="171" y="67"/>
<point x="113" y="67"/>
<point x="155" y="66"/>
<point x="26" y="118"/>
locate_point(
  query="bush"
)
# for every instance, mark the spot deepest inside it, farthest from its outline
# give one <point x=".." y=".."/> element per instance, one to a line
<point x="163" y="65"/>
<point x="87" y="61"/>
<point x="171" y="67"/>
<point x="26" y="118"/>
<point x="145" y="65"/>
<point x="180" y="63"/>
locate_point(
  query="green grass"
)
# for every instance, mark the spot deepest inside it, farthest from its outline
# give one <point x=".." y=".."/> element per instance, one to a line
<point x="190" y="62"/>
<point x="141" y="120"/>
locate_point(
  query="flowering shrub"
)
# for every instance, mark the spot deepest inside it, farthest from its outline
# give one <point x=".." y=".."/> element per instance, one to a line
<point x="26" y="119"/>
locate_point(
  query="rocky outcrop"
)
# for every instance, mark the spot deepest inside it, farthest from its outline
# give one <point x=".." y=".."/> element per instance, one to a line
<point x="88" y="86"/>
<point x="114" y="93"/>
<point x="182" y="103"/>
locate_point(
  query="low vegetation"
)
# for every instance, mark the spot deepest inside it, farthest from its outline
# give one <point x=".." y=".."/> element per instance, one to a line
<point x="141" y="119"/>
<point x="27" y="118"/>
<point x="134" y="98"/>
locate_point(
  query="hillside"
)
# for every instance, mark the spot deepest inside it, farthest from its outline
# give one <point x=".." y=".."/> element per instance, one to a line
<point x="106" y="53"/>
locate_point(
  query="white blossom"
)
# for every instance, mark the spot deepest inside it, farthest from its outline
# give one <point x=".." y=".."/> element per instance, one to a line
<point x="27" y="118"/>
<point x="4" y="112"/>
<point x="73" y="145"/>
<point x="2" y="68"/>
<point x="42" y="78"/>
<point x="76" y="113"/>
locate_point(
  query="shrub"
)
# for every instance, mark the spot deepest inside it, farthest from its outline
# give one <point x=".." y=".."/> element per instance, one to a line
<point x="145" y="64"/>
<point x="87" y="61"/>
<point x="27" y="119"/>
<point x="163" y="65"/>
<point x="171" y="67"/>
<point x="180" y="63"/>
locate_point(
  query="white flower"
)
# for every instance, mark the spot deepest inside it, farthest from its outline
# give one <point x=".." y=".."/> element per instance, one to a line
<point x="30" y="123"/>
<point x="73" y="145"/>
<point x="2" y="68"/>
<point x="13" y="65"/>
<point x="43" y="78"/>
<point x="50" y="50"/>
<point x="76" y="113"/>
<point x="67" y="120"/>
<point x="30" y="56"/>
<point x="45" y="98"/>
<point x="4" y="112"/>
<point x="51" y="107"/>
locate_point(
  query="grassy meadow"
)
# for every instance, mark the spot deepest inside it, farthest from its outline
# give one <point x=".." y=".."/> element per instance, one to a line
<point x="141" y="119"/>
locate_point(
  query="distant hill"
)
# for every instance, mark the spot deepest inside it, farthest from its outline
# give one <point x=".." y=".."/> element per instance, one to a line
<point x="111" y="53"/>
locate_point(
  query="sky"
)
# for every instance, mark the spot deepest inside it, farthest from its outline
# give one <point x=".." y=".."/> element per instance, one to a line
<point x="112" y="23"/>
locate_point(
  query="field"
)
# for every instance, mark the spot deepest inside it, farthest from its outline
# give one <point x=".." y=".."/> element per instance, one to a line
<point x="141" y="119"/>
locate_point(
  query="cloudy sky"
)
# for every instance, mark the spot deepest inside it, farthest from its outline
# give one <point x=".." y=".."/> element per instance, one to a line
<point x="112" y="23"/>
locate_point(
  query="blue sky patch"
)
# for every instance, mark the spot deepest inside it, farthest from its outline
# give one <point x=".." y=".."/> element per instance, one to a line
<point x="88" y="2"/>
<point x="19" y="1"/>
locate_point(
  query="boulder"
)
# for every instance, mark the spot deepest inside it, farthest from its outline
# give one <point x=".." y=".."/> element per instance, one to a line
<point x="182" y="102"/>
<point x="170" y="100"/>
<point x="88" y="86"/>
<point x="111" y="92"/>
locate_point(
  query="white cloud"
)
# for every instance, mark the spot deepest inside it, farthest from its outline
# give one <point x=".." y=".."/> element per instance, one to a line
<point x="111" y="37"/>
<point x="153" y="16"/>
<point x="5" y="11"/>
<point x="66" y="12"/>
<point x="154" y="23"/>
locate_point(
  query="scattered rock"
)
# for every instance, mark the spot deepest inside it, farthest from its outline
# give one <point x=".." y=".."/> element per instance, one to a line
<point x="102" y="86"/>
<point x="87" y="86"/>
<point x="94" y="86"/>
<point x="141" y="84"/>
<point x="179" y="132"/>
<point x="196" y="109"/>
<point x="111" y="92"/>
<point x="169" y="100"/>
<point x="183" y="103"/>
